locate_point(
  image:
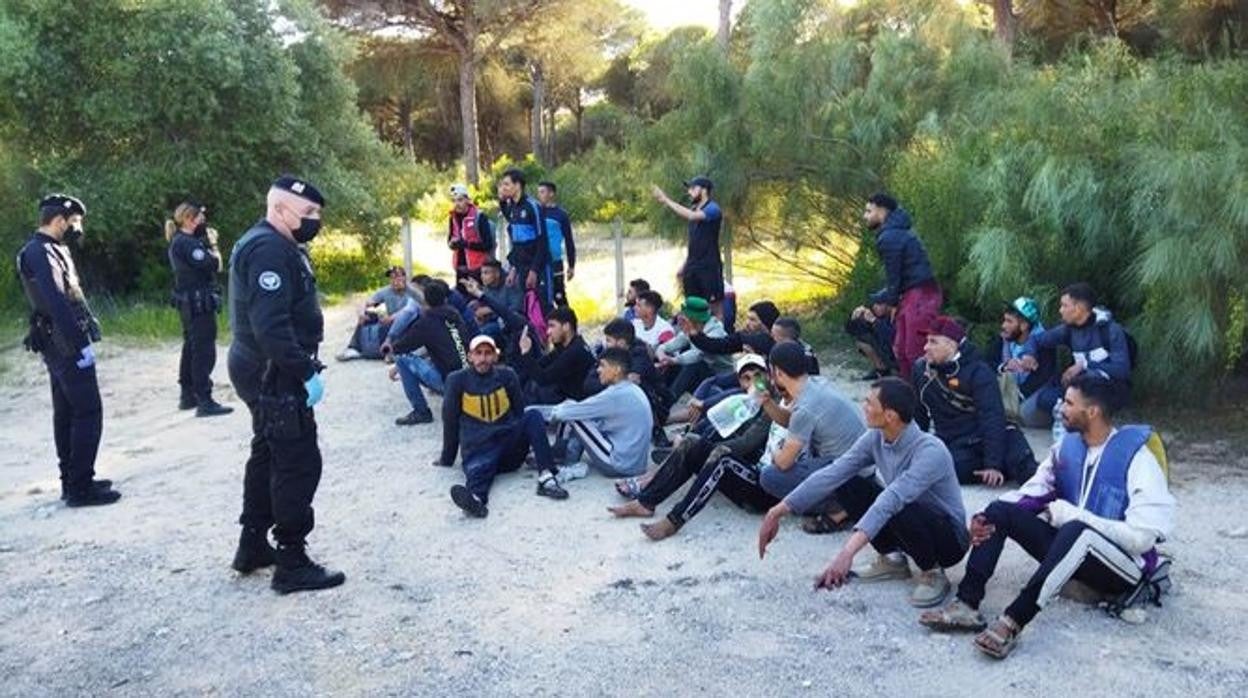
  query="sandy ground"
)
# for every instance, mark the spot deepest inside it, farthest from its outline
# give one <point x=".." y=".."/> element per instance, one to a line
<point x="544" y="597"/>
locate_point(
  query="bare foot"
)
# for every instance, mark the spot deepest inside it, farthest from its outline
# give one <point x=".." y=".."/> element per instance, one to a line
<point x="659" y="529"/>
<point x="633" y="508"/>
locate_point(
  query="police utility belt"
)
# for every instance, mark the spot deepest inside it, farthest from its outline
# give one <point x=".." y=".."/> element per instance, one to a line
<point x="284" y="415"/>
<point x="44" y="337"/>
<point x="198" y="301"/>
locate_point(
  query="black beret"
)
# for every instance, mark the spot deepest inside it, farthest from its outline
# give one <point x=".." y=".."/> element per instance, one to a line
<point x="64" y="202"/>
<point x="299" y="188"/>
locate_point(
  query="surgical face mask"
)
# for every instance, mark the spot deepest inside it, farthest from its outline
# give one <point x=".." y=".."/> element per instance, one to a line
<point x="308" y="228"/>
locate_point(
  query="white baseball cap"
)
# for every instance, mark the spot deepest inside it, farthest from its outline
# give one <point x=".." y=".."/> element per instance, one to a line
<point x="482" y="339"/>
<point x="746" y="360"/>
<point x="459" y="191"/>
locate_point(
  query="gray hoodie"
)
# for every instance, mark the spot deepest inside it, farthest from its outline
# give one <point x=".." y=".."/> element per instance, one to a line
<point x="915" y="468"/>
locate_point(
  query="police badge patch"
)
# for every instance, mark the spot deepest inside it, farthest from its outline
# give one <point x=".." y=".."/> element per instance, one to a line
<point x="270" y="281"/>
<point x="199" y="254"/>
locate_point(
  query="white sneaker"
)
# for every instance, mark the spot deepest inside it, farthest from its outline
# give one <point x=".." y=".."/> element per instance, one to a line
<point x="890" y="566"/>
<point x="572" y="471"/>
<point x="348" y="354"/>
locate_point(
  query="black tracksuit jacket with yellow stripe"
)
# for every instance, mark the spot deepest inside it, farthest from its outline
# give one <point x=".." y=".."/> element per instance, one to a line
<point x="478" y="409"/>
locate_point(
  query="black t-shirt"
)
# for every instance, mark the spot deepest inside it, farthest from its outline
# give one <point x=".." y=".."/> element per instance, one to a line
<point x="704" y="241"/>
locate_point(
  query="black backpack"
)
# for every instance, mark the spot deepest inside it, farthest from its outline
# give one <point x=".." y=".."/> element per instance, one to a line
<point x="1132" y="347"/>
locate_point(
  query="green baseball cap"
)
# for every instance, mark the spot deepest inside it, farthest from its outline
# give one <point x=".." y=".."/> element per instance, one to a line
<point x="696" y="309"/>
<point x="1026" y="308"/>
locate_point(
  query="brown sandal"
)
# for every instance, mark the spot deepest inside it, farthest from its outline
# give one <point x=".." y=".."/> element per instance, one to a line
<point x="999" y="639"/>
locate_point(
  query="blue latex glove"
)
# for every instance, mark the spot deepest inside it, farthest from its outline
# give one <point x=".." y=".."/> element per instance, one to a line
<point x="316" y="389"/>
<point x="87" y="358"/>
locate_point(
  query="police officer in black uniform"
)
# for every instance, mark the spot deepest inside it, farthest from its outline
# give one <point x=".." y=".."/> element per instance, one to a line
<point x="195" y="260"/>
<point x="62" y="329"/>
<point x="277" y="324"/>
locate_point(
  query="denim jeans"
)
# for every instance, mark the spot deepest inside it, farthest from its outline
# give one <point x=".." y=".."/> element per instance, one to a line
<point x="414" y="372"/>
<point x="506" y="454"/>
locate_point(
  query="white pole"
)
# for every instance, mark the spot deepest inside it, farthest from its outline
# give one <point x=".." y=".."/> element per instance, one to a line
<point x="406" y="231"/>
<point x="618" y="230"/>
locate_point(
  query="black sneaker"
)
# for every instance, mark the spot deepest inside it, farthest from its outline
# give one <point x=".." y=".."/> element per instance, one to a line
<point x="309" y="577"/>
<point x="212" y="408"/>
<point x="254" y="552"/>
<point x="92" y="497"/>
<point x="187" y="402"/>
<point x="95" y="484"/>
<point x="548" y="486"/>
<point x="415" y="417"/>
<point x="468" y="502"/>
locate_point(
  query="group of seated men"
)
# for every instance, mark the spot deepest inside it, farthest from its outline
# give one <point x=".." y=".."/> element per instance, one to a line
<point x="752" y="419"/>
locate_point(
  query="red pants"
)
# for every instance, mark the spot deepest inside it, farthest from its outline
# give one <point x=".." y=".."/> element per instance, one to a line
<point x="918" y="307"/>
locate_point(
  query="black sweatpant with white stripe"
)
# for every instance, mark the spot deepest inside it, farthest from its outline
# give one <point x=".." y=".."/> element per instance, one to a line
<point x="724" y="474"/>
<point x="1073" y="551"/>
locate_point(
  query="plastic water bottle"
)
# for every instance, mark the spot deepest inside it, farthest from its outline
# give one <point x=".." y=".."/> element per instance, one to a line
<point x="730" y="413"/>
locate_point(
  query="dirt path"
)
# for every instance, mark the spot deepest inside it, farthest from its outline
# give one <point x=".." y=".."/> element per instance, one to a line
<point x="551" y="598"/>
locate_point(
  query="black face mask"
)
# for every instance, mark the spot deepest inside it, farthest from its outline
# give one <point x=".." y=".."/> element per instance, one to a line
<point x="72" y="235"/>
<point x="308" y="228"/>
<point x="201" y="230"/>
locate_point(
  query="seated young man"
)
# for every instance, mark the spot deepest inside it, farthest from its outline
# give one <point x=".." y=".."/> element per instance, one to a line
<point x="612" y="428"/>
<point x="492" y="286"/>
<point x="620" y="334"/>
<point x="484" y="420"/>
<point x="1097" y="343"/>
<point x="917" y="512"/>
<point x="729" y="466"/>
<point x="650" y="326"/>
<point x="754" y="338"/>
<point x="441" y="332"/>
<point x="685" y="364"/>
<point x="1095" y="511"/>
<point x="1020" y="321"/>
<point x="871" y="326"/>
<point x="789" y="329"/>
<point x="371" y="327"/>
<point x="636" y="287"/>
<point x="961" y="402"/>
<point x="557" y="374"/>
<point x="822" y="423"/>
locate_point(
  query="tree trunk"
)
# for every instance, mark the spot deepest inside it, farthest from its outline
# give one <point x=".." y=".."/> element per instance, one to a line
<point x="725" y="24"/>
<point x="405" y="123"/>
<point x="468" y="115"/>
<point x="579" y="112"/>
<point x="552" y="158"/>
<point x="1005" y="23"/>
<point x="535" y="120"/>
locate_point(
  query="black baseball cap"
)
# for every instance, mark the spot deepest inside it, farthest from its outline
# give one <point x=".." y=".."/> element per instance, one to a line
<point x="67" y="204"/>
<point x="700" y="181"/>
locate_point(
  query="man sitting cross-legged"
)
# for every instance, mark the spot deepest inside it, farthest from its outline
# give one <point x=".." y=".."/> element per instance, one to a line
<point x="612" y="428"/>
<point x="483" y="418"/>
<point x="1094" y="511"/>
<point x="728" y="465"/>
<point x="909" y="503"/>
<point x="960" y="399"/>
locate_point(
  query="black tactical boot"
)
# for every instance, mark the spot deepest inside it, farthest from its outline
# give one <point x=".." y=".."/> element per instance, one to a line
<point x="254" y="551"/>
<point x="296" y="572"/>
<point x="188" y="401"/>
<point x="95" y="484"/>
<point x="91" y="496"/>
<point x="211" y="408"/>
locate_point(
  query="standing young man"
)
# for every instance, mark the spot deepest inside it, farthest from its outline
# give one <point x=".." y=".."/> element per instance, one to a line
<point x="526" y="228"/>
<point x="63" y="330"/>
<point x="911" y="285"/>
<point x="469" y="235"/>
<point x="483" y="418"/>
<point x="702" y="274"/>
<point x="559" y="235"/>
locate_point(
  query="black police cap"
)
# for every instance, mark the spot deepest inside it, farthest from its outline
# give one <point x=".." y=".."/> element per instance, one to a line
<point x="63" y="202"/>
<point x="299" y="188"/>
